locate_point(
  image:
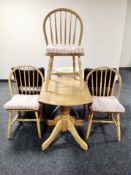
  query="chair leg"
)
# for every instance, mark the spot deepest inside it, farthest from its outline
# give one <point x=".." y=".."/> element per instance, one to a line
<point x="38" y="124"/>
<point x="9" y="125"/>
<point x="118" y="127"/>
<point x="19" y="115"/>
<point x="84" y="110"/>
<point x="80" y="69"/>
<point x="41" y="112"/>
<point x="74" y="67"/>
<point x="49" y="72"/>
<point x="109" y="115"/>
<point x="89" y="125"/>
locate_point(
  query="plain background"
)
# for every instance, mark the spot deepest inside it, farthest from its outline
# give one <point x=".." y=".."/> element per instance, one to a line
<point x="106" y="40"/>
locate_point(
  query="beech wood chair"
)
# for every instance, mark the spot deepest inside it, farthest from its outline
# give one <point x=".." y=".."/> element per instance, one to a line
<point x="103" y="83"/>
<point x="63" y="30"/>
<point x="25" y="84"/>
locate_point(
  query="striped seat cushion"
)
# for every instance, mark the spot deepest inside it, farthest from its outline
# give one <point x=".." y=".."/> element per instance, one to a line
<point x="23" y="102"/>
<point x="106" y="104"/>
<point x="64" y="49"/>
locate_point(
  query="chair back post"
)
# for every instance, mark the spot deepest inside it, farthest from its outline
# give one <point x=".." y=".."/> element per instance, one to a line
<point x="62" y="26"/>
<point x="27" y="80"/>
<point x="102" y="81"/>
<point x="10" y="85"/>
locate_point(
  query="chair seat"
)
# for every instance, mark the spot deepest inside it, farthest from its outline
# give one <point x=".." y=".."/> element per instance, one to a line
<point x="23" y="102"/>
<point x="61" y="49"/>
<point x="106" y="104"/>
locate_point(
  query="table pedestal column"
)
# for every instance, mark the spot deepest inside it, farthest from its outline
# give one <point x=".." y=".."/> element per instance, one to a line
<point x="64" y="122"/>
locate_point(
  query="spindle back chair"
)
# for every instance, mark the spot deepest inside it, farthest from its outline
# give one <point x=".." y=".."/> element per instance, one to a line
<point x="104" y="83"/>
<point x="24" y="83"/>
<point x="63" y="31"/>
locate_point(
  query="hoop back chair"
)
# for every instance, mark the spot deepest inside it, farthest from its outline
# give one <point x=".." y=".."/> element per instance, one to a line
<point x="24" y="83"/>
<point x="105" y="85"/>
<point x="63" y="30"/>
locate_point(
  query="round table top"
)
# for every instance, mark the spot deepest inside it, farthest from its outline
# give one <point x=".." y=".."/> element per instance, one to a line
<point x="65" y="92"/>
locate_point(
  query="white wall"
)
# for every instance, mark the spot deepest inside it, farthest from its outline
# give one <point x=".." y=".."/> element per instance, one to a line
<point x="126" y="47"/>
<point x="21" y="35"/>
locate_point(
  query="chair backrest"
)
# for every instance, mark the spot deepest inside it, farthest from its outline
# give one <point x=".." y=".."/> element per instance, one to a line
<point x="102" y="81"/>
<point x="87" y="71"/>
<point x="63" y="26"/>
<point x="26" y="80"/>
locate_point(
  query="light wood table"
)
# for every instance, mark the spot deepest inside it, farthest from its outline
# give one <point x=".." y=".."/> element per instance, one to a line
<point x="65" y="92"/>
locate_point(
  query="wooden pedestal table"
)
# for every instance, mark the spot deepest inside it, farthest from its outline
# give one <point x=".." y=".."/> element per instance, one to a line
<point x="65" y="92"/>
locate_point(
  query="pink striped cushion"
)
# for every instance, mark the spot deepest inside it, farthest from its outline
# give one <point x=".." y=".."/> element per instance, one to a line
<point x="64" y="49"/>
<point x="106" y="104"/>
<point x="23" y="102"/>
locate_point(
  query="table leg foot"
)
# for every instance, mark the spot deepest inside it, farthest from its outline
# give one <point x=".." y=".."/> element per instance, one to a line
<point x="53" y="135"/>
<point x="78" y="139"/>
